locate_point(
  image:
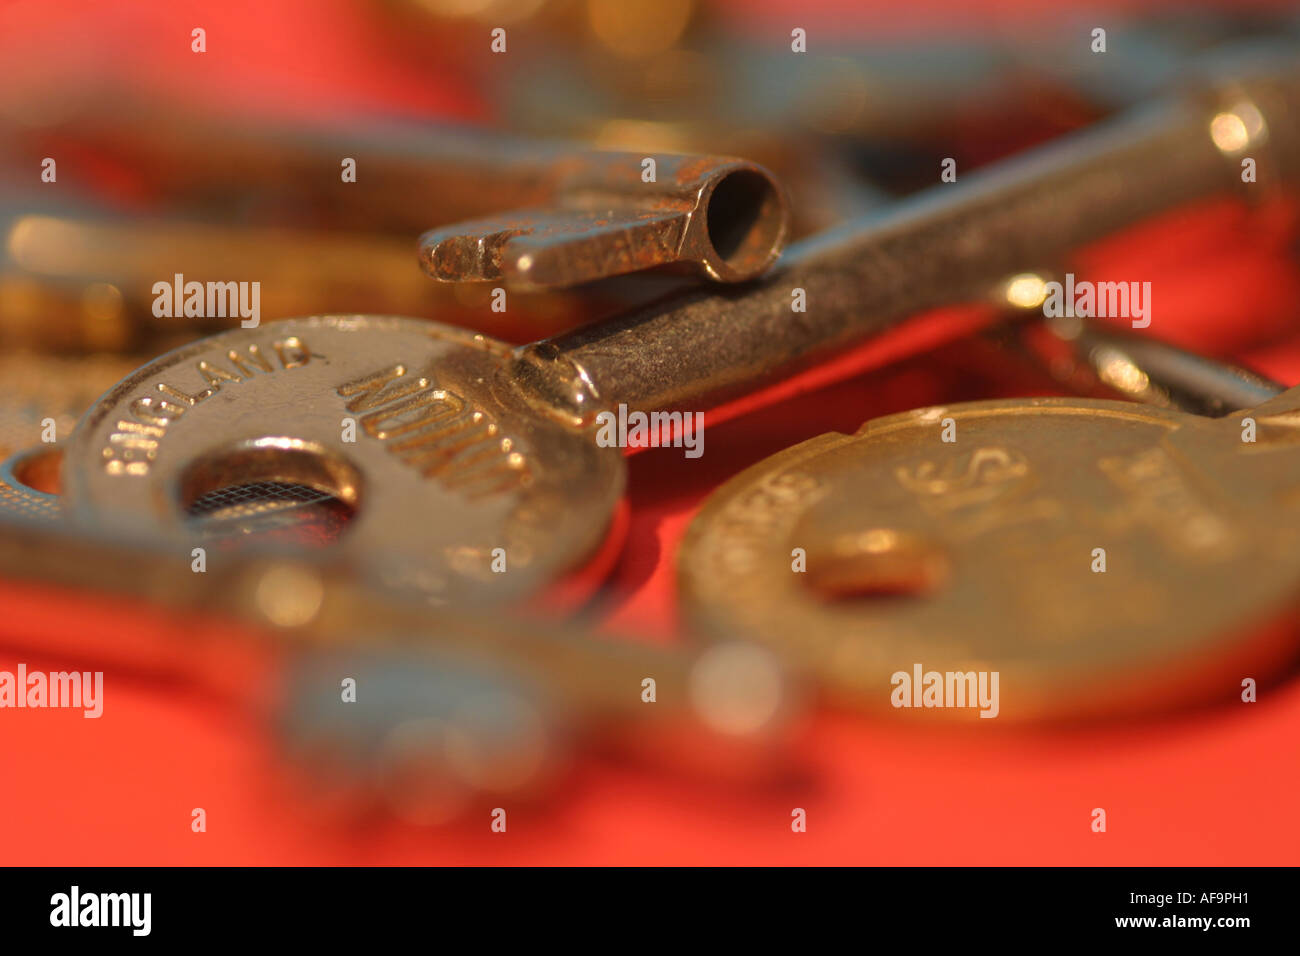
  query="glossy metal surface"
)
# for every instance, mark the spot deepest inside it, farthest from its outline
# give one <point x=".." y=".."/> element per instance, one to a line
<point x="442" y="463"/>
<point x="478" y="448"/>
<point x="724" y="219"/>
<point x="1090" y="356"/>
<point x="981" y="554"/>
<point x="948" y="244"/>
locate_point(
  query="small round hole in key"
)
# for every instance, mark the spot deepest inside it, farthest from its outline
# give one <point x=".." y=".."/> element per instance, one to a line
<point x="745" y="220"/>
<point x="39" y="470"/>
<point x="277" y="490"/>
<point x="876" y="563"/>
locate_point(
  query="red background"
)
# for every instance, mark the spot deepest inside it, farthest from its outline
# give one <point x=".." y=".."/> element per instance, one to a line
<point x="1210" y="787"/>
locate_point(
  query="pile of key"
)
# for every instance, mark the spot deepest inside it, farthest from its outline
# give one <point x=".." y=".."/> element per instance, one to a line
<point x="352" y="404"/>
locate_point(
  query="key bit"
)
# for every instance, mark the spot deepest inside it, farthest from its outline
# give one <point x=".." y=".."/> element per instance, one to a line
<point x="726" y="219"/>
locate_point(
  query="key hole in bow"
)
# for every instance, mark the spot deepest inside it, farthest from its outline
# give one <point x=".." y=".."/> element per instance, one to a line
<point x="39" y="470"/>
<point x="272" y="489"/>
<point x="876" y="563"/>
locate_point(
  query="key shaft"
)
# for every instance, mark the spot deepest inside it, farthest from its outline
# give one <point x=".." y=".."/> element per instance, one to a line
<point x="946" y="245"/>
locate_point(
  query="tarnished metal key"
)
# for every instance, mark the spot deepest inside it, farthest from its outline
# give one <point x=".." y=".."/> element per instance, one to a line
<point x="725" y="219"/>
<point x="560" y="213"/>
<point x="469" y="452"/>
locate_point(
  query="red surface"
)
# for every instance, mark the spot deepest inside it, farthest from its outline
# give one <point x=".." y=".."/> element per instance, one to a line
<point x="1212" y="787"/>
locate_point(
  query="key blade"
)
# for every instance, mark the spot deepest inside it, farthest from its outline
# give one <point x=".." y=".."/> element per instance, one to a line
<point x="593" y="245"/>
<point x="469" y="251"/>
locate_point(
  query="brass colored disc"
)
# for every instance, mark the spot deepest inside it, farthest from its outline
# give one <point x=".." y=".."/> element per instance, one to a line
<point x="985" y="553"/>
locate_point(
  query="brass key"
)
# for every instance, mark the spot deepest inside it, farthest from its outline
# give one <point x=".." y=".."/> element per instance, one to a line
<point x="1101" y="558"/>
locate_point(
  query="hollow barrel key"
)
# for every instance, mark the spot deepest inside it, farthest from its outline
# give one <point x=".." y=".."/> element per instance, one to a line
<point x="469" y="452"/>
